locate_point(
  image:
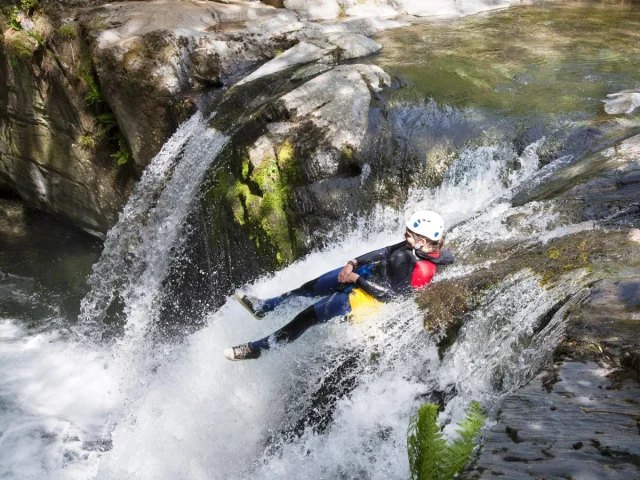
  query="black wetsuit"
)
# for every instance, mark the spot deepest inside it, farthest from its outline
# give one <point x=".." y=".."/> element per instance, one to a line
<point x="384" y="273"/>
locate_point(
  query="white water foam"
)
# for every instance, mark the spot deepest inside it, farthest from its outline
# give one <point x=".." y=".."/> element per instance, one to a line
<point x="54" y="400"/>
<point x="197" y="415"/>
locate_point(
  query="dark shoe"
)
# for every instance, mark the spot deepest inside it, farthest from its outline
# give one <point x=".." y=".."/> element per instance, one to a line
<point x="241" y="352"/>
<point x="252" y="304"/>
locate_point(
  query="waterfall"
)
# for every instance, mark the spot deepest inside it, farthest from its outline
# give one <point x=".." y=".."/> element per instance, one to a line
<point x="138" y="249"/>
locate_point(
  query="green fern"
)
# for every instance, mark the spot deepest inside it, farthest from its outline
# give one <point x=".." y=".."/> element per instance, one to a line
<point x="459" y="451"/>
<point x="37" y="37"/>
<point x="14" y="23"/>
<point x="94" y="95"/>
<point x="430" y="457"/>
<point x="425" y="443"/>
<point x="123" y="154"/>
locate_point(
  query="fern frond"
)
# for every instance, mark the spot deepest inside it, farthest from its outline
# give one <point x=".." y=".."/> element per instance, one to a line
<point x="425" y="444"/>
<point x="459" y="451"/>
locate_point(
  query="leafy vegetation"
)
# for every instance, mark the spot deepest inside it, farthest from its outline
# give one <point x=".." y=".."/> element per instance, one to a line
<point x="37" y="37"/>
<point x="94" y="96"/>
<point x="68" y="30"/>
<point x="29" y="4"/>
<point x="88" y="142"/>
<point x="123" y="155"/>
<point x="430" y="456"/>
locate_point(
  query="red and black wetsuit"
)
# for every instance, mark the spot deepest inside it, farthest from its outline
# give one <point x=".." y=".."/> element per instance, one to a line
<point x="398" y="268"/>
<point x="390" y="271"/>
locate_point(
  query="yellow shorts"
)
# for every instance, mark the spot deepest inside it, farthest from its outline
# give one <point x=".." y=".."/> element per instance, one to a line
<point x="362" y="305"/>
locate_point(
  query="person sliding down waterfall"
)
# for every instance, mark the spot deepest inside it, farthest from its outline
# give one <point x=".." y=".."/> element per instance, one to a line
<point x="359" y="286"/>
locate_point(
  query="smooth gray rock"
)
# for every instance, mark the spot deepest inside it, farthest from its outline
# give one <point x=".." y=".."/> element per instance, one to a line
<point x="572" y="431"/>
<point x="338" y="102"/>
<point x="333" y="48"/>
<point x="624" y="102"/>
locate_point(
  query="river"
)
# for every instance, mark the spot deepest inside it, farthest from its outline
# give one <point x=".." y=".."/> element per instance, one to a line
<point x="508" y="97"/>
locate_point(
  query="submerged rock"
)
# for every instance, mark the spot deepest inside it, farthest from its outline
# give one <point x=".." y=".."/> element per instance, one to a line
<point x="621" y="102"/>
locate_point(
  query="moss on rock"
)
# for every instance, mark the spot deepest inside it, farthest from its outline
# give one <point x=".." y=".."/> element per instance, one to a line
<point x="259" y="196"/>
<point x="20" y="44"/>
<point x="597" y="253"/>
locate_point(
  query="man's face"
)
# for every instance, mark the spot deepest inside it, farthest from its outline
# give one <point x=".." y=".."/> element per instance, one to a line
<point x="411" y="238"/>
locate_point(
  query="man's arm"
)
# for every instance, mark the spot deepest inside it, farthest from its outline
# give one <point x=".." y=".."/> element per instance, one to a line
<point x="376" y="291"/>
<point x="367" y="259"/>
<point x="377" y="255"/>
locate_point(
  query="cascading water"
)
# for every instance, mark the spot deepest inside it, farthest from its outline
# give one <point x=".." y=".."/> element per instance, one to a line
<point x="334" y="404"/>
<point x="138" y="250"/>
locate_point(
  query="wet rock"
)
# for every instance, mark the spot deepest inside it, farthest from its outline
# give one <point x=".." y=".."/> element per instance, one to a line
<point x="585" y="427"/>
<point x="50" y="152"/>
<point x="314" y="9"/>
<point x="624" y="102"/>
<point x="603" y="186"/>
<point x="337" y="102"/>
<point x="333" y="48"/>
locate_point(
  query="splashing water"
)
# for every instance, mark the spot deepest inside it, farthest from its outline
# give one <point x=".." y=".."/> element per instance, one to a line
<point x="335" y="403"/>
<point x="138" y="250"/>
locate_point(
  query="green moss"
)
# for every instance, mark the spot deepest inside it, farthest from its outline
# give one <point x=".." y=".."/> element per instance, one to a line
<point x="69" y="30"/>
<point x="246" y="167"/>
<point x="259" y="198"/>
<point x="20" y="44"/>
<point x="285" y="154"/>
<point x="347" y="152"/>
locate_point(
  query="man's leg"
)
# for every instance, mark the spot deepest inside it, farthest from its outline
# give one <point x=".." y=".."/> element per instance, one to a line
<point x="325" y="284"/>
<point x="320" y="312"/>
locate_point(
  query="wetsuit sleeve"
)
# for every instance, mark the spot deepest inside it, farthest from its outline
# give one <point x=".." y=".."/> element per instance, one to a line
<point x="446" y="257"/>
<point x="378" y="255"/>
<point x="376" y="291"/>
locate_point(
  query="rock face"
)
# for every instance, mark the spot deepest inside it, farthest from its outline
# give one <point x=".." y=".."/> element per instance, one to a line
<point x="582" y="423"/>
<point x="332" y="48"/>
<point x="50" y="153"/>
<point x="303" y="160"/>
<point x="579" y="417"/>
<point x="86" y="87"/>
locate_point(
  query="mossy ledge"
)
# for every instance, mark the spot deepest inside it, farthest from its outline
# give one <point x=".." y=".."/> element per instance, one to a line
<point x="446" y="303"/>
<point x="257" y="194"/>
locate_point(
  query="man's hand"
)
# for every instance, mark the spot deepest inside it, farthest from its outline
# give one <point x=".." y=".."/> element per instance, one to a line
<point x="344" y="273"/>
<point x="352" y="278"/>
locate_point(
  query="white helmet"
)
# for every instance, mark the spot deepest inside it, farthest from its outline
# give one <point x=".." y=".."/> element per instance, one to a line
<point x="427" y="224"/>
